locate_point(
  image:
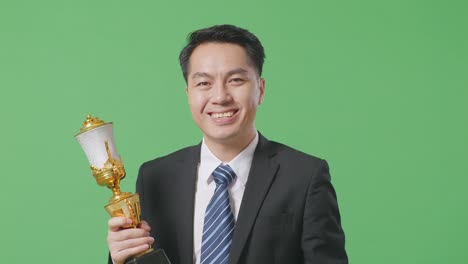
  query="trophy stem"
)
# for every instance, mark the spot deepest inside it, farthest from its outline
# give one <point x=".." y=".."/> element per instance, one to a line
<point x="117" y="195"/>
<point x="116" y="191"/>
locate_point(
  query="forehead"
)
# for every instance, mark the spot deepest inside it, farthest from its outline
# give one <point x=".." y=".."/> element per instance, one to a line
<point x="217" y="58"/>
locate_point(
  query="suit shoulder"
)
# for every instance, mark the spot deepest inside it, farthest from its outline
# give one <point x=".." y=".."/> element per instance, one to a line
<point x="180" y="154"/>
<point x="290" y="154"/>
<point x="300" y="166"/>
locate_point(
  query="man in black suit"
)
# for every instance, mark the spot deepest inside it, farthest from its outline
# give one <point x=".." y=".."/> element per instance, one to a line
<point x="281" y="203"/>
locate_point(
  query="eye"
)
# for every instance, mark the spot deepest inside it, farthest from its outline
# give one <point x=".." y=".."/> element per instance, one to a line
<point x="202" y="84"/>
<point x="236" y="81"/>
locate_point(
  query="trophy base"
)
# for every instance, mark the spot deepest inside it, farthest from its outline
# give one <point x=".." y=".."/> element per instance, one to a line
<point x="156" y="256"/>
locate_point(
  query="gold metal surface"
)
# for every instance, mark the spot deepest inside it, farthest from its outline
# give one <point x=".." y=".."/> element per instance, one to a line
<point x="145" y="252"/>
<point x="128" y="206"/>
<point x="90" y="123"/>
<point x="110" y="175"/>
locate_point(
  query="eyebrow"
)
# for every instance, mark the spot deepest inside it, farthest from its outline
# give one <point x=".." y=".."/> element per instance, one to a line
<point x="237" y="71"/>
<point x="229" y="73"/>
<point x="200" y="75"/>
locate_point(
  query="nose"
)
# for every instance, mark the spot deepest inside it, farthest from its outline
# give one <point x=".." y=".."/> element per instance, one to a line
<point x="220" y="94"/>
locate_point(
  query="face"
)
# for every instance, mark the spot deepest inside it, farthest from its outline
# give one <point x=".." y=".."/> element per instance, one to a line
<point x="224" y="91"/>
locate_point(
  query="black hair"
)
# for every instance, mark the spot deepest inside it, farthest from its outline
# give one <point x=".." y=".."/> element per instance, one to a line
<point x="224" y="34"/>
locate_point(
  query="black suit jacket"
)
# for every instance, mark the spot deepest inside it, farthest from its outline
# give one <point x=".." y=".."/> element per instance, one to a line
<point x="289" y="211"/>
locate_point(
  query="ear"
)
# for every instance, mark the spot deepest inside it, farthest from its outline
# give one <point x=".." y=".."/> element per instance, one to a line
<point x="262" y="91"/>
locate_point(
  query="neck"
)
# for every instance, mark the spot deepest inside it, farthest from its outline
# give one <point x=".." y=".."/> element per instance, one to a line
<point x="228" y="150"/>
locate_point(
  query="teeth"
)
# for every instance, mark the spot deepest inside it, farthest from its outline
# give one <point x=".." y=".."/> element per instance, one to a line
<point x="221" y="115"/>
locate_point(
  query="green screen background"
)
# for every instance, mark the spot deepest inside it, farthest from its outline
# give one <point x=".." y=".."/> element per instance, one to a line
<point x="378" y="88"/>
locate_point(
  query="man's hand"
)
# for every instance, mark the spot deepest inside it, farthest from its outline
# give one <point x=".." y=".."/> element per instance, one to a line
<point x="124" y="243"/>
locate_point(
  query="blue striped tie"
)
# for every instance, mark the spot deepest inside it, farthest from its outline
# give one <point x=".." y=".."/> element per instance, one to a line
<point x="219" y="220"/>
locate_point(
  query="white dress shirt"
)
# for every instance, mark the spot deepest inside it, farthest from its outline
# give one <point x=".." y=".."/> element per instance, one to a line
<point x="206" y="186"/>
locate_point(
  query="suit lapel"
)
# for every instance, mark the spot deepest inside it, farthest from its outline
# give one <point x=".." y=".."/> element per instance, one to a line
<point x="262" y="173"/>
<point x="186" y="178"/>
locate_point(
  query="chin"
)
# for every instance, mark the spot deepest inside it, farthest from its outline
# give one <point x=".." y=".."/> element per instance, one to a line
<point x="221" y="136"/>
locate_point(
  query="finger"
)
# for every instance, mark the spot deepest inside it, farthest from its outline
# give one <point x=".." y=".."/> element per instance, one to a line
<point x="117" y="223"/>
<point x="132" y="243"/>
<point x="125" y="234"/>
<point x="124" y="254"/>
<point x="144" y="225"/>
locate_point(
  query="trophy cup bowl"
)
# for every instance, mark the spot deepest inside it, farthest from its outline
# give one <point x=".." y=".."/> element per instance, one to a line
<point x="97" y="141"/>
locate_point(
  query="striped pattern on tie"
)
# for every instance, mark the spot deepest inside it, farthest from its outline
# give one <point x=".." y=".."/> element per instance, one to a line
<point x="219" y="221"/>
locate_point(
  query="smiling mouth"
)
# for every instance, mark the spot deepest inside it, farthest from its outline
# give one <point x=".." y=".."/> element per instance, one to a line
<point x="223" y="115"/>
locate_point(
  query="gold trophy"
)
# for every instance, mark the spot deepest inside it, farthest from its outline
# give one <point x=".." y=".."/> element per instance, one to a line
<point x="97" y="141"/>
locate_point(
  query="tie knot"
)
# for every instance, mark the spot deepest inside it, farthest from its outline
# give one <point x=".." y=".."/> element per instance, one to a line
<point x="223" y="174"/>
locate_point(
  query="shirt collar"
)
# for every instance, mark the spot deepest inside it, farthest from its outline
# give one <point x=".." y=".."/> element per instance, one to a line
<point x="240" y="164"/>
